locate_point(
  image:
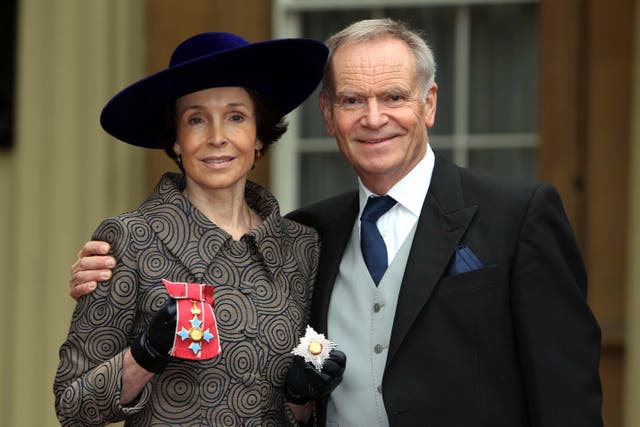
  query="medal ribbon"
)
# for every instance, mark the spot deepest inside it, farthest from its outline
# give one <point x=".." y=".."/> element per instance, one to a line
<point x="196" y="335"/>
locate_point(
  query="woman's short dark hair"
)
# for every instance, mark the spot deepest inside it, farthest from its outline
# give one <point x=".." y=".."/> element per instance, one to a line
<point x="270" y="124"/>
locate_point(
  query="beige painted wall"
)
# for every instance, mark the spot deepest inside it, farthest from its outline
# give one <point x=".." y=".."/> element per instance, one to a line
<point x="63" y="175"/>
<point x="632" y="365"/>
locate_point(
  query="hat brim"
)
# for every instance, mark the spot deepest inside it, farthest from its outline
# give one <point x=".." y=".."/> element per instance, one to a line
<point x="284" y="71"/>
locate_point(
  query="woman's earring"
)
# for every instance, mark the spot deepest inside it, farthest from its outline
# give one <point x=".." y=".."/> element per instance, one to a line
<point x="179" y="161"/>
<point x="258" y="155"/>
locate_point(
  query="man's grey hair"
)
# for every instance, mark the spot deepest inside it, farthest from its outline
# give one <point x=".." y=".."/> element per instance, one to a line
<point x="375" y="29"/>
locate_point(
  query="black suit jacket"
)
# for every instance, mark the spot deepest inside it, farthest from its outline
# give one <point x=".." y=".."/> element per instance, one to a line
<point x="511" y="344"/>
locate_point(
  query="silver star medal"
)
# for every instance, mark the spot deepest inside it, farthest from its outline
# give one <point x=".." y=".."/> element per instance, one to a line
<point x="314" y="348"/>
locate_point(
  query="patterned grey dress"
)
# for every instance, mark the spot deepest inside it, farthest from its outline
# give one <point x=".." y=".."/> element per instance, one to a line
<point x="263" y="286"/>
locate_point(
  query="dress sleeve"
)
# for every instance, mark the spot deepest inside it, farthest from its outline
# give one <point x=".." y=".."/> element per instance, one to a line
<point x="308" y="257"/>
<point x="557" y="334"/>
<point x="89" y="378"/>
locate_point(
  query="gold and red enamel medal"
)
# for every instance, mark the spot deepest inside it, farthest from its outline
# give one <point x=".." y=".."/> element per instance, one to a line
<point x="196" y="329"/>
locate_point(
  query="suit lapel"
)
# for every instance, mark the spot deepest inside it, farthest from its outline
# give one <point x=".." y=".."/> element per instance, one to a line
<point x="335" y="231"/>
<point x="442" y="223"/>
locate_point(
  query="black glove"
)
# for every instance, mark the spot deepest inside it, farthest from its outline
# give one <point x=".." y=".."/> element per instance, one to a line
<point x="151" y="349"/>
<point x="304" y="382"/>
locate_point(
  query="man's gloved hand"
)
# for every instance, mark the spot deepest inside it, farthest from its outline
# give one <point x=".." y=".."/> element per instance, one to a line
<point x="151" y="348"/>
<point x="304" y="382"/>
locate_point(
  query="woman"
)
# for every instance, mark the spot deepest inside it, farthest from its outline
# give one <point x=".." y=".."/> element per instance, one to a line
<point x="215" y="110"/>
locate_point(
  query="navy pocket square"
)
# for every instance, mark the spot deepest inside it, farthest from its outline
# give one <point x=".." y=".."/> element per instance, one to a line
<point x="465" y="260"/>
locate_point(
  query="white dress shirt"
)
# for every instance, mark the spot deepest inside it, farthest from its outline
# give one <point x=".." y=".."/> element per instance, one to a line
<point x="410" y="193"/>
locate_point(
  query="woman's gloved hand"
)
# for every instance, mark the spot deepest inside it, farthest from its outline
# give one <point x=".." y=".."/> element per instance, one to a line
<point x="151" y="349"/>
<point x="305" y="383"/>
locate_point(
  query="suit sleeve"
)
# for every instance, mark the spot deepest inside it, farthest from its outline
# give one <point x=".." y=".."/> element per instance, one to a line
<point x="88" y="381"/>
<point x="557" y="334"/>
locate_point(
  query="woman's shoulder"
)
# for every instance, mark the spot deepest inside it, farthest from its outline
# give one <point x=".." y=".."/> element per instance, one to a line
<point x="120" y="229"/>
<point x="123" y="219"/>
<point x="296" y="229"/>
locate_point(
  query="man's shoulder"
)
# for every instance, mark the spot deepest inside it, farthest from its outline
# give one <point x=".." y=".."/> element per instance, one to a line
<point x="479" y="182"/>
<point x="323" y="211"/>
<point x="498" y="183"/>
<point x="485" y="189"/>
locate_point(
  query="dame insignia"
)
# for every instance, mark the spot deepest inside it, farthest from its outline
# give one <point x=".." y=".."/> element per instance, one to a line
<point x="196" y="329"/>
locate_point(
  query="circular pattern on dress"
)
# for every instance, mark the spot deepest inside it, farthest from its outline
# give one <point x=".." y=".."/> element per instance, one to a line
<point x="70" y="401"/>
<point x="151" y="299"/>
<point x="89" y="410"/>
<point x="210" y="243"/>
<point x="152" y="264"/>
<point x="245" y="401"/>
<point x="172" y="226"/>
<point x="122" y="288"/>
<point x="104" y="343"/>
<point x="270" y="250"/>
<point x="66" y="372"/>
<point x="198" y="220"/>
<point x="194" y="259"/>
<point x="140" y="232"/>
<point x="101" y="386"/>
<point x="113" y="231"/>
<point x="234" y="313"/>
<point x="268" y="419"/>
<point x="277" y="367"/>
<point x="223" y="273"/>
<point x="179" y="400"/>
<point x="241" y="359"/>
<point x="269" y="298"/>
<point x="80" y="320"/>
<point x="238" y="254"/>
<point x="279" y="333"/>
<point x="299" y="287"/>
<point x="100" y="313"/>
<point x="297" y="315"/>
<point x="214" y="384"/>
<point x="223" y="416"/>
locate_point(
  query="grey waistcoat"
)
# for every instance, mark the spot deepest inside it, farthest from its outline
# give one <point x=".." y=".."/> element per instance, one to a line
<point x="360" y="321"/>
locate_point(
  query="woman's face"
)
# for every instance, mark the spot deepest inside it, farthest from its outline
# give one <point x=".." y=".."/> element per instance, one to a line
<point x="216" y="137"/>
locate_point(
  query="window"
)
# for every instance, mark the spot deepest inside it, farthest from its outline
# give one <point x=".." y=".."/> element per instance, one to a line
<point x="486" y="53"/>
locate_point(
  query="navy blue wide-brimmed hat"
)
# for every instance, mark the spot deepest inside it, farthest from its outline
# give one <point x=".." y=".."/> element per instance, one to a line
<point x="284" y="71"/>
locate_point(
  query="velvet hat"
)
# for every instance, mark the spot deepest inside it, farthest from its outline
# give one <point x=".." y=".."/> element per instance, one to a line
<point x="284" y="71"/>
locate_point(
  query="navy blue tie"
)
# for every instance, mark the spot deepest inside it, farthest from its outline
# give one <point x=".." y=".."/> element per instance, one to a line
<point x="372" y="244"/>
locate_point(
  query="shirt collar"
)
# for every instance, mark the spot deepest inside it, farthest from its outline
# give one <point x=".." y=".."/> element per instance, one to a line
<point x="411" y="190"/>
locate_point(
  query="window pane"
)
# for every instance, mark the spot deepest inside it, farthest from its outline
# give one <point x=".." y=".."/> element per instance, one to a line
<point x="510" y="162"/>
<point x="504" y="65"/>
<point x="320" y="25"/>
<point x="436" y="25"/>
<point x="324" y="175"/>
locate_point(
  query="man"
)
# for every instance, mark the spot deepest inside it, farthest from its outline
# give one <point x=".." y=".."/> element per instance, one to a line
<point x="478" y="315"/>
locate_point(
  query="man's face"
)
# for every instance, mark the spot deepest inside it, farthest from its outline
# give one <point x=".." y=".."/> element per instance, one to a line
<point x="377" y="112"/>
